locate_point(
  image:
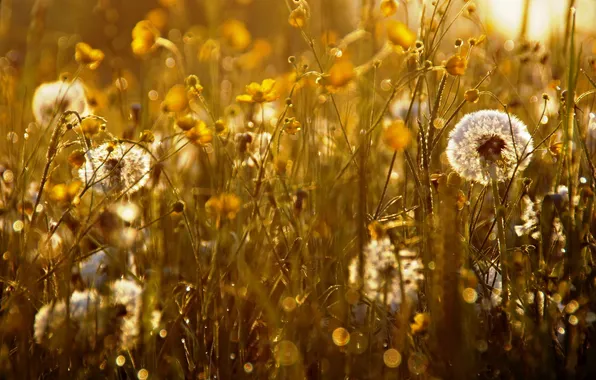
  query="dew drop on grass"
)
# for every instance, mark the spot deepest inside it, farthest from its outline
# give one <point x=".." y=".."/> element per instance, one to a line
<point x="392" y="358"/>
<point x="120" y="360"/>
<point x="285" y="353"/>
<point x="143" y="374"/>
<point x="340" y="336"/>
<point x="358" y="343"/>
<point x="248" y="367"/>
<point x="417" y="363"/>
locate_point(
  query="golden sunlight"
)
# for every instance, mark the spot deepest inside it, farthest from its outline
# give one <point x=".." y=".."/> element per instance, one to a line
<point x="545" y="17"/>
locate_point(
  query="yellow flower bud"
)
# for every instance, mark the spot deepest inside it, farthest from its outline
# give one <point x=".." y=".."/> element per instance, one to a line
<point x="90" y="126"/>
<point x="298" y="17"/>
<point x="472" y="95"/>
<point x="456" y="65"/>
<point x="388" y="7"/>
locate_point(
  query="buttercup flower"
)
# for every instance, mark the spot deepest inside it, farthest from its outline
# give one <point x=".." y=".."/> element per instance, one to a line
<point x="485" y="138"/>
<point x="235" y="34"/>
<point x="223" y="206"/>
<point x="399" y="34"/>
<point x="388" y="7"/>
<point x="116" y="167"/>
<point x="259" y="93"/>
<point x="52" y="99"/>
<point x="86" y="55"/>
<point x="144" y="38"/>
<point x="381" y="273"/>
<point x="199" y="134"/>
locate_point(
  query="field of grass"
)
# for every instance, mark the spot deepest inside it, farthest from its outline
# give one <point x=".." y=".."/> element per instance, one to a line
<point x="297" y="189"/>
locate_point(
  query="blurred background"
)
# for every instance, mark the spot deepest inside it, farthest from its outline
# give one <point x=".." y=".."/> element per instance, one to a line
<point x="56" y="25"/>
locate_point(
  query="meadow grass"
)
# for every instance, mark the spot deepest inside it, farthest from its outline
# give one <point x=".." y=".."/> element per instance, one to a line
<point x="293" y="189"/>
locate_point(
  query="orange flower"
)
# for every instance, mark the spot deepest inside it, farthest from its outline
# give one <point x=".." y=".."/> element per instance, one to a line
<point x="259" y="93"/>
<point x="86" y="55"/>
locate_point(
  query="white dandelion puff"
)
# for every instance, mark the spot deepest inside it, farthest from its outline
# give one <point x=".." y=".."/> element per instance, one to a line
<point x="93" y="270"/>
<point x="492" y="278"/>
<point x="381" y="273"/>
<point x="120" y="167"/>
<point x="130" y="295"/>
<point x="87" y="318"/>
<point x="53" y="98"/>
<point x="529" y="218"/>
<point x="592" y="124"/>
<point x="488" y="137"/>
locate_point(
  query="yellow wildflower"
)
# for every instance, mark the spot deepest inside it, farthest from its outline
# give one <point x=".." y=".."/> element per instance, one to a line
<point x="86" y="55"/>
<point x="63" y="192"/>
<point x="223" y="206"/>
<point x="298" y="17"/>
<point x="186" y="122"/>
<point x="91" y="126"/>
<point x="158" y="17"/>
<point x="292" y="126"/>
<point x="144" y="38"/>
<point x="176" y="99"/>
<point x="194" y="86"/>
<point x="399" y="34"/>
<point x="456" y="65"/>
<point x="340" y="74"/>
<point x="209" y="51"/>
<point x="259" y="93"/>
<point x="397" y="136"/>
<point x="472" y="95"/>
<point x="388" y="7"/>
<point x="76" y="159"/>
<point x="421" y="323"/>
<point x="235" y="34"/>
<point x="199" y="134"/>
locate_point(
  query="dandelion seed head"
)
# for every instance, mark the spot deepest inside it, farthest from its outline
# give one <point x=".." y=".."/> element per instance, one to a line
<point x="487" y="137"/>
<point x="130" y="295"/>
<point x="529" y="218"/>
<point x="92" y="269"/>
<point x="52" y="99"/>
<point x="381" y="271"/>
<point x="121" y="167"/>
<point x="86" y="315"/>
